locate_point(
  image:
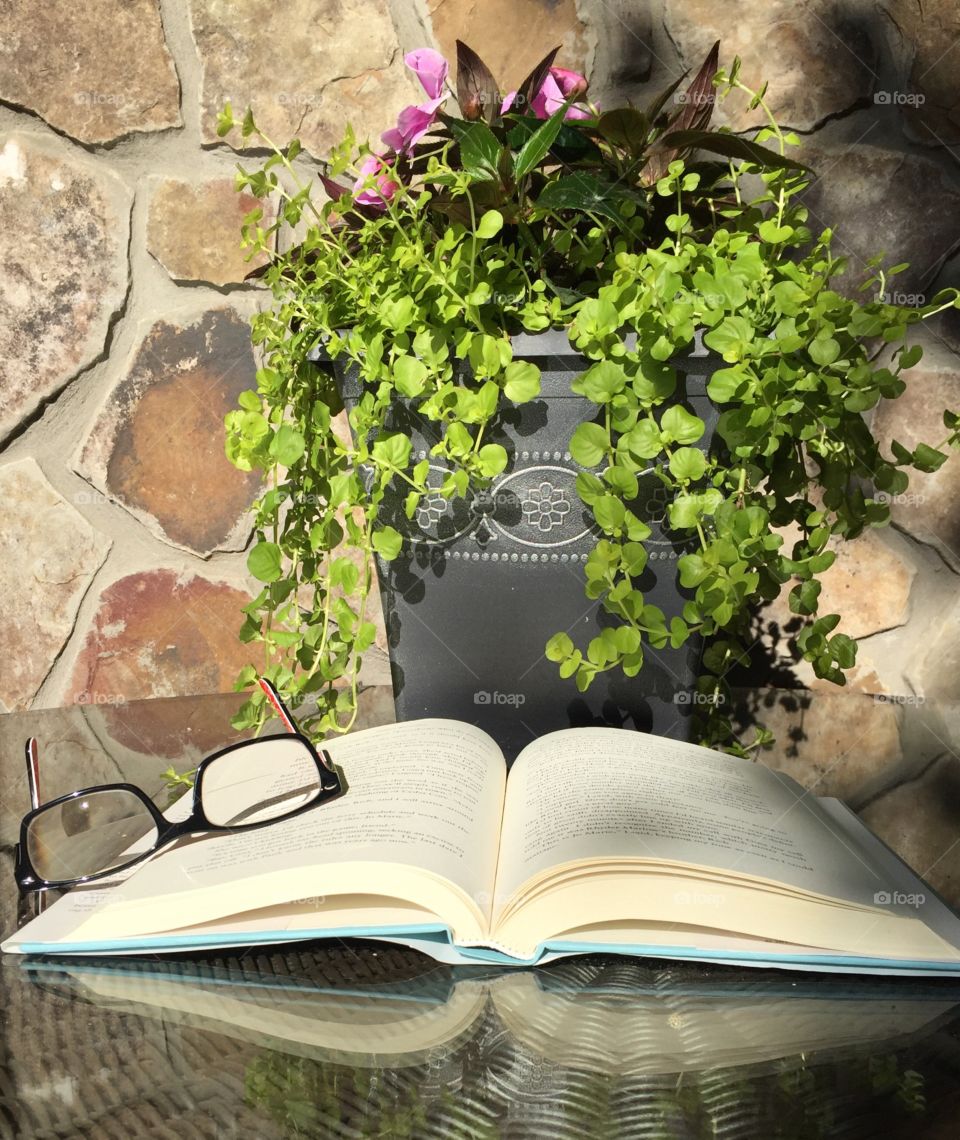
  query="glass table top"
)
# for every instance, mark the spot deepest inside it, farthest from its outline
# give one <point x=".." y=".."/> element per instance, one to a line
<point x="365" y="1039"/>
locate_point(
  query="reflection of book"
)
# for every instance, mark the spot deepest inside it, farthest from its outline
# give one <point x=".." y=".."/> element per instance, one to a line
<point x="578" y="1020"/>
<point x="599" y="839"/>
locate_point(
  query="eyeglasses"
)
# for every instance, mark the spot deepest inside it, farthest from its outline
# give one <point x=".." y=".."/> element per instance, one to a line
<point x="99" y="831"/>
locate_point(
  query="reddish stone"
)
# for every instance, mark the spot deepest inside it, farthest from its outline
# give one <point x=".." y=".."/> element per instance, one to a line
<point x="181" y="730"/>
<point x="157" y="634"/>
<point x="158" y="445"/>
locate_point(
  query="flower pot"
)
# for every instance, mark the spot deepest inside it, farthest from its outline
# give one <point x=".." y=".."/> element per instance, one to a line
<point x="482" y="583"/>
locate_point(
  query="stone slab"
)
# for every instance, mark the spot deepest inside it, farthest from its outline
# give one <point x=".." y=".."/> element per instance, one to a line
<point x="306" y="68"/>
<point x="51" y="554"/>
<point x="194" y="230"/>
<point x="63" y="261"/>
<point x="157" y="446"/>
<point x="97" y="71"/>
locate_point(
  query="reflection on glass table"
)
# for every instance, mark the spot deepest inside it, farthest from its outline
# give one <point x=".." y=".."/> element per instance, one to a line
<point x="332" y="1043"/>
<point x="357" y="1039"/>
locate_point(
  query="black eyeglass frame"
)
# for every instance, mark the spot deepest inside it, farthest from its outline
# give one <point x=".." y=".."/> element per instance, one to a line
<point x="332" y="785"/>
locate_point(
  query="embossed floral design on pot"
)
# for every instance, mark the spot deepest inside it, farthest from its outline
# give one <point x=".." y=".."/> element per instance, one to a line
<point x="545" y="506"/>
<point x="431" y="510"/>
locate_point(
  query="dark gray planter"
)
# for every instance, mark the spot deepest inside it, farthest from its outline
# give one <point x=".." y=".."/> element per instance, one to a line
<point x="483" y="583"/>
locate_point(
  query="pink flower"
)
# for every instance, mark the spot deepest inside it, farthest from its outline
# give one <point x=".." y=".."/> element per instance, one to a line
<point x="430" y="68"/>
<point x="413" y="122"/>
<point x="557" y="87"/>
<point x="507" y="102"/>
<point x="364" y="195"/>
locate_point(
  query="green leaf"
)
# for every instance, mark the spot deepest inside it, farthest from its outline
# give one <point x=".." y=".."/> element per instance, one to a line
<point x="609" y="512"/>
<point x="589" y="487"/>
<point x="558" y="647"/>
<point x="645" y="440"/>
<point x="625" y="127"/>
<point x="731" y="338"/>
<point x="479" y="147"/>
<point x="687" y="463"/>
<point x="927" y="458"/>
<point x="680" y="425"/>
<point x="635" y="557"/>
<point x="725" y="383"/>
<point x="264" y="561"/>
<point x="584" y="192"/>
<point x="804" y="596"/>
<point x="490" y="224"/>
<point x="410" y="375"/>
<point x="601" y="382"/>
<point x="844" y="649"/>
<point x="692" y="569"/>
<point x="387" y="542"/>
<point x="910" y="356"/>
<point x="535" y="149"/>
<point x="589" y="444"/>
<point x="730" y="146"/>
<point x="824" y="350"/>
<point x="493" y="459"/>
<point x="522" y="381"/>
<point x="771" y="232"/>
<point x="392" y="449"/>
<point x="287" y="445"/>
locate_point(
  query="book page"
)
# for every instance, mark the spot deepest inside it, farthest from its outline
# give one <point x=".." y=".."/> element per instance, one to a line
<point x="424" y="795"/>
<point x="607" y="793"/>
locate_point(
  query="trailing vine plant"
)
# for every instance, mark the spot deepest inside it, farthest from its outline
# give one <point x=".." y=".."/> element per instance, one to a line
<point x="529" y="211"/>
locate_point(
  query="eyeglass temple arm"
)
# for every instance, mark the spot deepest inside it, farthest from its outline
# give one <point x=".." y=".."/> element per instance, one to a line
<point x="31" y="753"/>
<point x="32" y="756"/>
<point x="278" y="706"/>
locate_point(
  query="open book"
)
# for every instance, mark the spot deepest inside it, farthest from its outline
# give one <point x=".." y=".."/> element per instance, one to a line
<point x="599" y="839"/>
<point x="597" y="1018"/>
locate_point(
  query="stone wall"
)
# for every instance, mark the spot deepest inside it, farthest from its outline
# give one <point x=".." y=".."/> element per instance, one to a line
<point x="123" y="337"/>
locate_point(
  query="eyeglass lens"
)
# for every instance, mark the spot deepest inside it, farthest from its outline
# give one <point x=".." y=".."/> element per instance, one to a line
<point x="259" y="781"/>
<point x="98" y="831"/>
<point x="106" y="829"/>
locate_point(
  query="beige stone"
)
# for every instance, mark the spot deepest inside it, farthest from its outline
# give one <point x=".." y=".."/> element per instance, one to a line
<point x="51" y="554"/>
<point x="307" y="68"/>
<point x="929" y="509"/>
<point x="936" y="670"/>
<point x="63" y="263"/>
<point x="96" y="71"/>
<point x="879" y="201"/>
<point x="920" y="820"/>
<point x="833" y="744"/>
<point x="868" y="585"/>
<point x="510" y="38"/>
<point x="928" y="35"/>
<point x="157" y="446"/>
<point x="817" y="62"/>
<point x="194" y="230"/>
